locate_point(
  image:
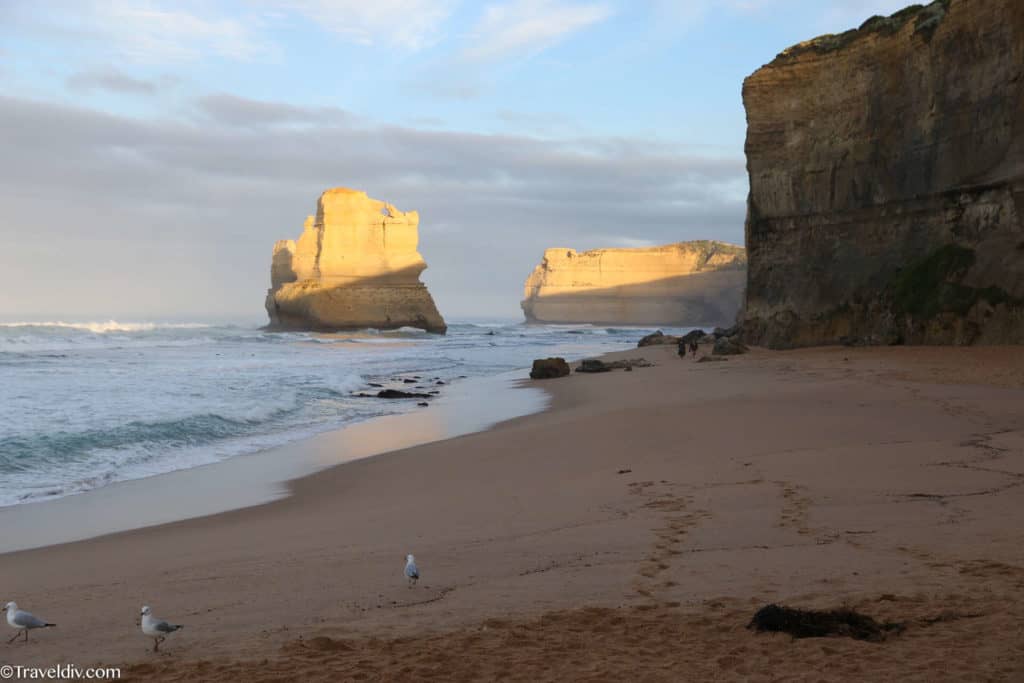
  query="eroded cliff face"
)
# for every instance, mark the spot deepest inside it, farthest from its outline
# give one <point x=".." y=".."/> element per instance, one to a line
<point x="887" y="182"/>
<point x="690" y="283"/>
<point x="354" y="266"/>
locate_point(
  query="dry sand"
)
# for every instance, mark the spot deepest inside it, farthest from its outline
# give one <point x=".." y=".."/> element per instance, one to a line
<point x="627" y="533"/>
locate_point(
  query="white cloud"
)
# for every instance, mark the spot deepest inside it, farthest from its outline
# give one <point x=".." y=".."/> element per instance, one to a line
<point x="530" y="26"/>
<point x="152" y="32"/>
<point x="139" y="31"/>
<point x="409" y="24"/>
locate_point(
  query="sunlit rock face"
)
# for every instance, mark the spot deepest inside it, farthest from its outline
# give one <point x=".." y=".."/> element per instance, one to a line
<point x="689" y="283"/>
<point x="887" y="182"/>
<point x="354" y="266"/>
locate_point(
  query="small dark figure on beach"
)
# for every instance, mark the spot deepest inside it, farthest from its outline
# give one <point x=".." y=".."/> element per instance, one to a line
<point x="693" y="349"/>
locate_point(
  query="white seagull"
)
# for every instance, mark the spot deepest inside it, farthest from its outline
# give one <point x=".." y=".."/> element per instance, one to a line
<point x="23" y="621"/>
<point x="411" y="571"/>
<point x="157" y="629"/>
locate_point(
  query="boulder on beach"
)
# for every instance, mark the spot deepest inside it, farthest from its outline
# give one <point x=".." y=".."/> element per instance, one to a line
<point x="549" y="368"/>
<point x="656" y="339"/>
<point x="728" y="346"/>
<point x="595" y="365"/>
<point x="395" y="393"/>
<point x="692" y="336"/>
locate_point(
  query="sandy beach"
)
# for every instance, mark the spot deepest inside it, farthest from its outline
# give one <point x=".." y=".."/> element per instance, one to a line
<point x="628" y="532"/>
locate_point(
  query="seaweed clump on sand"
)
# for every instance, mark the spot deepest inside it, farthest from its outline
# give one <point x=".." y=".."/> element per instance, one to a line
<point x="801" y="623"/>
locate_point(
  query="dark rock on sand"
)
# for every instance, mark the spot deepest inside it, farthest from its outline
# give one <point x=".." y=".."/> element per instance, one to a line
<point x="594" y="365"/>
<point x="711" y="359"/>
<point x="728" y="346"/>
<point x="549" y="368"/>
<point x="692" y="336"/>
<point x="395" y="393"/>
<point x="657" y="338"/>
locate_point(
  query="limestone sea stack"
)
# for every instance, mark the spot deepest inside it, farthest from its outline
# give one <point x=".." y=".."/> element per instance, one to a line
<point x="887" y="182"/>
<point x="354" y="266"/>
<point x="689" y="283"/>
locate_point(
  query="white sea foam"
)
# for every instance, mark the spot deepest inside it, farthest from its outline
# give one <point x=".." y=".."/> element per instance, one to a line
<point x="108" y="326"/>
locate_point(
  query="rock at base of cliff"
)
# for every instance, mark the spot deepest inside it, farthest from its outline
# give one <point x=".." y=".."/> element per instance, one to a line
<point x="656" y="339"/>
<point x="726" y="331"/>
<point x="728" y="346"/>
<point x="549" y="368"/>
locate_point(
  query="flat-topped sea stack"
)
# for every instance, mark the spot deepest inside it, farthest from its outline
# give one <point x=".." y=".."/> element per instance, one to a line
<point x="887" y="182"/>
<point x="355" y="266"/>
<point x="689" y="283"/>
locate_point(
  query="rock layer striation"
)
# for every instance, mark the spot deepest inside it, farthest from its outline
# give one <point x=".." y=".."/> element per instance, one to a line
<point x="887" y="182"/>
<point x="356" y="265"/>
<point x="689" y="283"/>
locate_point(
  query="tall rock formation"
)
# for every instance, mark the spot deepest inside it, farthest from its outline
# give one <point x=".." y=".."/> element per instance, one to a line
<point x="354" y="266"/>
<point x="689" y="283"/>
<point x="887" y="182"/>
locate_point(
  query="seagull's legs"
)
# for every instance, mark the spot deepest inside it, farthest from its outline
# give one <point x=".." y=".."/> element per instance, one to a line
<point x="17" y="634"/>
<point x="156" y="644"/>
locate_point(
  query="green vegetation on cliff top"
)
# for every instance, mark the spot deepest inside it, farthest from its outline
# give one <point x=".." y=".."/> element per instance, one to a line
<point x="927" y="19"/>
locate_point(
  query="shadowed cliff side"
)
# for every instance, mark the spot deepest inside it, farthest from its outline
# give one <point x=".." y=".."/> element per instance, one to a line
<point x="354" y="266"/>
<point x="689" y="283"/>
<point x="887" y="182"/>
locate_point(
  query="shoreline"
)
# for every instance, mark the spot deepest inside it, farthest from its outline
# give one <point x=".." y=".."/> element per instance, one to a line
<point x="674" y="500"/>
<point x="471" y="405"/>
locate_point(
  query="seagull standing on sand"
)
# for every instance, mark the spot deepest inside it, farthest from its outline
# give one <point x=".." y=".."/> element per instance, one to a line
<point x="23" y="621"/>
<point x="411" y="571"/>
<point x="157" y="629"/>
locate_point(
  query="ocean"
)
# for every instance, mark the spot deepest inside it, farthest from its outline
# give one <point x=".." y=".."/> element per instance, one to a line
<point x="83" y="405"/>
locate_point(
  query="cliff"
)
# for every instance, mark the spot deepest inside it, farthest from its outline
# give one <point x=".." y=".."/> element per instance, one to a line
<point x="690" y="283"/>
<point x="354" y="266"/>
<point x="887" y="182"/>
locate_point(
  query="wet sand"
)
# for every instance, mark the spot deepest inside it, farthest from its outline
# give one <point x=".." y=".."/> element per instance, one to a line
<point x="630" y="531"/>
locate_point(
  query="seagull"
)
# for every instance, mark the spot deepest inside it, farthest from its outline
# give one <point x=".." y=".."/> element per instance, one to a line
<point x="157" y="629"/>
<point x="23" y="621"/>
<point x="411" y="572"/>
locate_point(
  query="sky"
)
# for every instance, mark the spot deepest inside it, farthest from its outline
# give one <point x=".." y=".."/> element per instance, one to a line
<point x="151" y="152"/>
